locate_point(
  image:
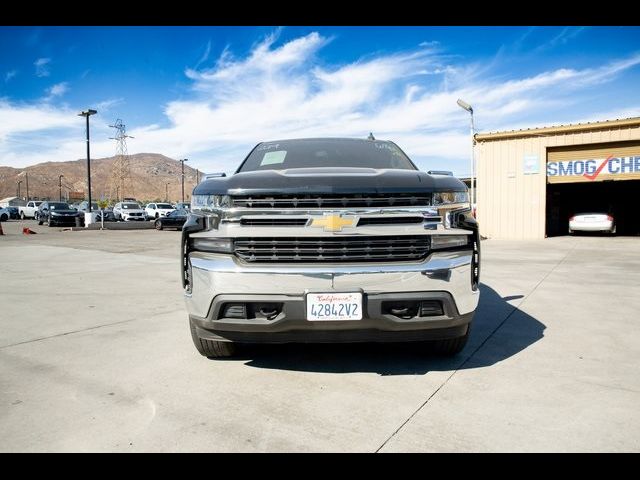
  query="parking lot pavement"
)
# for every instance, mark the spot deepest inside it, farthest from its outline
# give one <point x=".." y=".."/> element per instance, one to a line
<point x="95" y="355"/>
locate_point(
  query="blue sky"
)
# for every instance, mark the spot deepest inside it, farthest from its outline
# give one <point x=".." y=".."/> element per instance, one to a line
<point x="211" y="93"/>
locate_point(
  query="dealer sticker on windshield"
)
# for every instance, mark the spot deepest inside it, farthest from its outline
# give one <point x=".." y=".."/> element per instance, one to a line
<point x="334" y="306"/>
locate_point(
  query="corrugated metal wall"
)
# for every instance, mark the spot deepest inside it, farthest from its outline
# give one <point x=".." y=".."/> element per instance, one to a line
<point x="512" y="205"/>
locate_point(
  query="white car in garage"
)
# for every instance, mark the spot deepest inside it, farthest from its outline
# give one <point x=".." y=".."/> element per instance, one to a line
<point x="592" y="222"/>
<point x="157" y="210"/>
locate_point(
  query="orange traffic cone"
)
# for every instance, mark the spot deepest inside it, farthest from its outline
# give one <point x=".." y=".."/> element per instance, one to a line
<point x="28" y="231"/>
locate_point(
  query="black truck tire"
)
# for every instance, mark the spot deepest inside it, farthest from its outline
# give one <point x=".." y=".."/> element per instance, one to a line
<point x="212" y="348"/>
<point x="450" y="346"/>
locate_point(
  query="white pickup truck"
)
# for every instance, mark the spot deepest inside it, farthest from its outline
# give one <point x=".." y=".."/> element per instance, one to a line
<point x="29" y="211"/>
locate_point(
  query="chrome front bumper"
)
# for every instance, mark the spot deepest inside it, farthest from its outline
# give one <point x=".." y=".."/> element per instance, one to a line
<point x="214" y="275"/>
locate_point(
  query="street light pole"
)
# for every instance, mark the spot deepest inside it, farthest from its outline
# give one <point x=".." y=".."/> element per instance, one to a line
<point x="469" y="109"/>
<point x="182" y="161"/>
<point x="60" y="185"/>
<point x="87" y="114"/>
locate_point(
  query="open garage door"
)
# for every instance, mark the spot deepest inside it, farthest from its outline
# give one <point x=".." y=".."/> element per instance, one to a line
<point x="593" y="178"/>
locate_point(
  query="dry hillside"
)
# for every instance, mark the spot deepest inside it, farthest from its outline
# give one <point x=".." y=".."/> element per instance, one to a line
<point x="149" y="173"/>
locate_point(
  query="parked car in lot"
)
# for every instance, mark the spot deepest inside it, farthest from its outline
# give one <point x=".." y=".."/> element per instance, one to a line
<point x="157" y="210"/>
<point x="5" y="214"/>
<point x="128" y="212"/>
<point x="84" y="206"/>
<point x="29" y="210"/>
<point x="174" y="219"/>
<point x="183" y="206"/>
<point x="109" y="216"/>
<point x="13" y="212"/>
<point x="592" y="222"/>
<point x="56" y="213"/>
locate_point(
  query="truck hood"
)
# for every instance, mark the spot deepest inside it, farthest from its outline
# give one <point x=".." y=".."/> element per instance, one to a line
<point x="328" y="180"/>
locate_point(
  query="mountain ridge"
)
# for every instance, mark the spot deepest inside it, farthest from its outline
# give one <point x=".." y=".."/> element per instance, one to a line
<point x="150" y="172"/>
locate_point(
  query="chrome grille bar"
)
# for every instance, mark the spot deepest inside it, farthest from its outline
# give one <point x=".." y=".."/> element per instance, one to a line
<point x="332" y="249"/>
<point x="332" y="200"/>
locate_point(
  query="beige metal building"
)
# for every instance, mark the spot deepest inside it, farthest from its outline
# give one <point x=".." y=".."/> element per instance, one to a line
<point x="529" y="182"/>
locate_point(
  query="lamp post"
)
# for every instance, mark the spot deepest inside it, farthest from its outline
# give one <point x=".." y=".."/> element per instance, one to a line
<point x="18" y="195"/>
<point x="166" y="191"/>
<point x="87" y="114"/>
<point x="182" y="161"/>
<point x="469" y="109"/>
<point x="60" y="185"/>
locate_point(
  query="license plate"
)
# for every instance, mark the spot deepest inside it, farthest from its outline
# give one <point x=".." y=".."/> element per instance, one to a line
<point x="334" y="306"/>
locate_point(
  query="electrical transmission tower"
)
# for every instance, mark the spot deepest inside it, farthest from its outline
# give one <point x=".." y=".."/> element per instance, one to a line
<point x="120" y="183"/>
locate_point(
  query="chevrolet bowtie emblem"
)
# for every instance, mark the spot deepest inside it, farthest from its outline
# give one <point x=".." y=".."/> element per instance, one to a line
<point x="333" y="223"/>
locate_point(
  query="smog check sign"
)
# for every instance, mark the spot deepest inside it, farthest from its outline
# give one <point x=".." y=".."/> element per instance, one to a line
<point x="594" y="169"/>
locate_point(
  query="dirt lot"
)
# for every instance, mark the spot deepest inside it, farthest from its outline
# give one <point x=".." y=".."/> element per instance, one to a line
<point x="95" y="355"/>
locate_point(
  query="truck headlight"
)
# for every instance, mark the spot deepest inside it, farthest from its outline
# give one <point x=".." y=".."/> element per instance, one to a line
<point x="214" y="245"/>
<point x="450" y="198"/>
<point x="209" y="202"/>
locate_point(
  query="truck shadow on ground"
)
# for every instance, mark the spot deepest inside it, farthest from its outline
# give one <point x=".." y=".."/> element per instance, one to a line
<point x="499" y="331"/>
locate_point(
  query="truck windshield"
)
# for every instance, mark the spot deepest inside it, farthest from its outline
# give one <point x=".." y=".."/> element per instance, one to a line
<point x="326" y="152"/>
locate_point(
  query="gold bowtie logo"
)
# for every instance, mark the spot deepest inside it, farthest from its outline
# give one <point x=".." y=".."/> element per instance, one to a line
<point x="333" y="223"/>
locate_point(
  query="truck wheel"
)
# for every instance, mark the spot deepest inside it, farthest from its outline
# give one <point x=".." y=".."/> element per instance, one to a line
<point x="22" y="217"/>
<point x="50" y="223"/>
<point x="158" y="225"/>
<point x="451" y="346"/>
<point x="211" y="348"/>
<point x="4" y="217"/>
<point x="40" y="222"/>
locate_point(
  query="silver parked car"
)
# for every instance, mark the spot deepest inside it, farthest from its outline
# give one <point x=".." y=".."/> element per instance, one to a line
<point x="592" y="222"/>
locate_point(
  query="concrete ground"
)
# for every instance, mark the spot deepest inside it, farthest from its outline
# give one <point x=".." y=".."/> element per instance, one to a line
<point x="95" y="355"/>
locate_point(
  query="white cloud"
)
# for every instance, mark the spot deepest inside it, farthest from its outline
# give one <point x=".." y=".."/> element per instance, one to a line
<point x="42" y="67"/>
<point x="56" y="90"/>
<point x="205" y="55"/>
<point x="107" y="105"/>
<point x="9" y="75"/>
<point x="285" y="90"/>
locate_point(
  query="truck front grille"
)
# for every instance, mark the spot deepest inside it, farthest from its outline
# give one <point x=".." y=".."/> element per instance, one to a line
<point x="333" y="200"/>
<point x="332" y="249"/>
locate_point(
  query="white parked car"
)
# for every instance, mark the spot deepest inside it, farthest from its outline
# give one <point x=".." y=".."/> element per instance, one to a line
<point x="157" y="210"/>
<point x="29" y="211"/>
<point x="592" y="222"/>
<point x="128" y="211"/>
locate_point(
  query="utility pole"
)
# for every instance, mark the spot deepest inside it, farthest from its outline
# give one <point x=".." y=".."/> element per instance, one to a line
<point x="26" y="174"/>
<point x="18" y="195"/>
<point x="166" y="192"/>
<point x="60" y="185"/>
<point x="197" y="176"/>
<point x="87" y="114"/>
<point x="182" y="161"/>
<point x="464" y="105"/>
